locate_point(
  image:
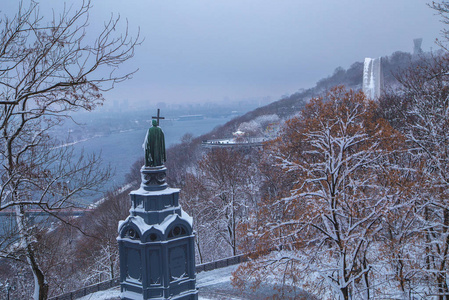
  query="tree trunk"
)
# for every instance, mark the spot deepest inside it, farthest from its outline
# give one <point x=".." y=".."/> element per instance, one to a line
<point x="111" y="268"/>
<point x="366" y="279"/>
<point x="40" y="284"/>
<point x="199" y="248"/>
<point x="443" y="289"/>
<point x="345" y="293"/>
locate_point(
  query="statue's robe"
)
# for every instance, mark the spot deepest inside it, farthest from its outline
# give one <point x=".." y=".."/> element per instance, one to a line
<point x="154" y="146"/>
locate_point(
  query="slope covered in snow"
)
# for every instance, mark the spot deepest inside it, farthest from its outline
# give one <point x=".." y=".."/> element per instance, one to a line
<point x="212" y="285"/>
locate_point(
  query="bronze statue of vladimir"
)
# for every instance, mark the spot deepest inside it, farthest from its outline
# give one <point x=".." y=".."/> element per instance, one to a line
<point x="154" y="146"/>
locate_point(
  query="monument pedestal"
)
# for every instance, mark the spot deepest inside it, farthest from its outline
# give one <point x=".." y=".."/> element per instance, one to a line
<point x="156" y="243"/>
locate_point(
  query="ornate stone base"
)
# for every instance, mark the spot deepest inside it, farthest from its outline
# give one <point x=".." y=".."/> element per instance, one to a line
<point x="153" y="178"/>
<point x="156" y="243"/>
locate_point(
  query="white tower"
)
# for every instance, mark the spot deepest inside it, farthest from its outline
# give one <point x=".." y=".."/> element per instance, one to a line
<point x="417" y="46"/>
<point x="372" y="77"/>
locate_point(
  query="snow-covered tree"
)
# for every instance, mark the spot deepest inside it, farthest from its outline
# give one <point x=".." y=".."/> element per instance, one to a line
<point x="194" y="199"/>
<point x="425" y="96"/>
<point x="323" y="232"/>
<point x="97" y="250"/>
<point x="251" y="128"/>
<point x="48" y="69"/>
<point x="257" y="127"/>
<point x="228" y="176"/>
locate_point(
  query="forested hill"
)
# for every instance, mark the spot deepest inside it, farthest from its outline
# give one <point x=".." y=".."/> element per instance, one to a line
<point x="289" y="106"/>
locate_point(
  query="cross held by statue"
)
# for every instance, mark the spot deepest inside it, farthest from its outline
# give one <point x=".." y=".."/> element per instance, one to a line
<point x="158" y="117"/>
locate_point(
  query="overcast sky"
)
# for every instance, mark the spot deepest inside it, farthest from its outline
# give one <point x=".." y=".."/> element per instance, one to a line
<point x="209" y="50"/>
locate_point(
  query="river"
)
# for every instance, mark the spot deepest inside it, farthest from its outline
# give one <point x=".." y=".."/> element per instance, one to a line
<point x="121" y="149"/>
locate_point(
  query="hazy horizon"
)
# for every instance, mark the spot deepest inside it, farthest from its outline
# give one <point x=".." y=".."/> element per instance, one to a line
<point x="210" y="51"/>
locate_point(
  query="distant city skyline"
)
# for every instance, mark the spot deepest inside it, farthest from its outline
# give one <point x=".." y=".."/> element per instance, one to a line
<point x="210" y="51"/>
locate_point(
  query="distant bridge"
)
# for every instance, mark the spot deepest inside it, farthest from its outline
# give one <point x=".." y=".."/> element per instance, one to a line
<point x="226" y="143"/>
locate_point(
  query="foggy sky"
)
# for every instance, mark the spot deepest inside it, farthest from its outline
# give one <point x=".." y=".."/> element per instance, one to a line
<point x="208" y="50"/>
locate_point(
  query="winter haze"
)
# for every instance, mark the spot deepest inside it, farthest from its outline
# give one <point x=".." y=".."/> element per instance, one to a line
<point x="202" y="50"/>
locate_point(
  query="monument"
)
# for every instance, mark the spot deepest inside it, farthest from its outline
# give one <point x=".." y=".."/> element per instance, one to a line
<point x="372" y="77"/>
<point x="417" y="50"/>
<point x="156" y="241"/>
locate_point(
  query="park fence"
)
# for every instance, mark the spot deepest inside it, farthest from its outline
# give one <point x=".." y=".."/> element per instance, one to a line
<point x="105" y="285"/>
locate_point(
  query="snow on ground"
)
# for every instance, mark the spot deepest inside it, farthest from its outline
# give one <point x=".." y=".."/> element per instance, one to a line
<point x="205" y="281"/>
<point x="212" y="285"/>
<point x="217" y="276"/>
<point x="113" y="293"/>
